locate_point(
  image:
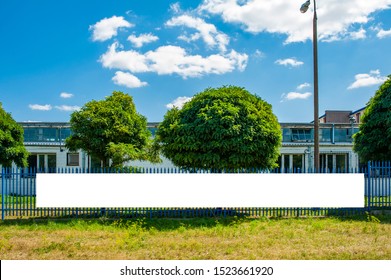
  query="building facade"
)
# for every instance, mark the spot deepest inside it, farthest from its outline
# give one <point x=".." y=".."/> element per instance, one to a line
<point x="45" y="143"/>
<point x="335" y="146"/>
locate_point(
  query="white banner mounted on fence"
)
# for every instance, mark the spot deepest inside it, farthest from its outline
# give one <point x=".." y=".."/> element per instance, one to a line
<point x="200" y="190"/>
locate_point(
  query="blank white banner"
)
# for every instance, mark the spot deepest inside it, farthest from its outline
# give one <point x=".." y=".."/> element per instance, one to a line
<point x="200" y="190"/>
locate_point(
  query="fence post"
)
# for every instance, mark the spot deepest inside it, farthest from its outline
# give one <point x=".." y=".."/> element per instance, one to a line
<point x="2" y="194"/>
<point x="369" y="186"/>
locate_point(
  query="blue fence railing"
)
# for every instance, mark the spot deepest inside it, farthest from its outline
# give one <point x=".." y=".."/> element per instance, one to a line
<point x="378" y="184"/>
<point x="18" y="195"/>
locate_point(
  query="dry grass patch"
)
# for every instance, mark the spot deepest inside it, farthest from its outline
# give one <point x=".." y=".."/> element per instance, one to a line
<point x="363" y="237"/>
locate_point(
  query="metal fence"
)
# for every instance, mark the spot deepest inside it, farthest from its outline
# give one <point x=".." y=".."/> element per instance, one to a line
<point x="378" y="185"/>
<point x="18" y="196"/>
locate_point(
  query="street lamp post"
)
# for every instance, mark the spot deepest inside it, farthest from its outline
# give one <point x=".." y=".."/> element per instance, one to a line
<point x="304" y="9"/>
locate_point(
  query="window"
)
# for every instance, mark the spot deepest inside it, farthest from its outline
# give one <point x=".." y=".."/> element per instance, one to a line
<point x="291" y="162"/>
<point x="341" y="163"/>
<point x="342" y="135"/>
<point x="334" y="162"/>
<point x="326" y="162"/>
<point x="301" y="135"/>
<point x="325" y="135"/>
<point x="73" y="159"/>
<point x="298" y="162"/>
<point x="286" y="135"/>
<point x="283" y="162"/>
<point x="52" y="163"/>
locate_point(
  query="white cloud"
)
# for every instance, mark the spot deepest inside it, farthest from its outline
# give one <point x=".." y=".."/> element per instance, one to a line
<point x="175" y="7"/>
<point x="139" y="41"/>
<point x="289" y="62"/>
<point x="366" y="80"/>
<point x="124" y="60"/>
<point x="357" y="35"/>
<point x="336" y="19"/>
<point x="259" y="54"/>
<point x="108" y="28"/>
<point x="66" y="95"/>
<point x="383" y="33"/>
<point x="127" y="80"/>
<point x="179" y="102"/>
<point x="205" y="31"/>
<point x="167" y="60"/>
<point x="38" y="107"/>
<point x="295" y="95"/>
<point x="345" y="35"/>
<point x="304" y="85"/>
<point x="67" y="108"/>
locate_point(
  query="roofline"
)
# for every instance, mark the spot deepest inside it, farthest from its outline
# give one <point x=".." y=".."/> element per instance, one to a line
<point x="358" y="110"/>
<point x="65" y="124"/>
<point x="45" y="124"/>
<point x="155" y="124"/>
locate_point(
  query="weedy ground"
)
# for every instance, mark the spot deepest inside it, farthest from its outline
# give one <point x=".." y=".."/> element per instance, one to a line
<point x="361" y="237"/>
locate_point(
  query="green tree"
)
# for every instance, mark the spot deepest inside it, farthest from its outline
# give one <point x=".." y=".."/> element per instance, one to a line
<point x="373" y="141"/>
<point x="111" y="129"/>
<point x="11" y="141"/>
<point x="221" y="128"/>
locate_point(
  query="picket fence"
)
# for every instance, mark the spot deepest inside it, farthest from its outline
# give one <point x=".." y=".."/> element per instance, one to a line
<point x="18" y="196"/>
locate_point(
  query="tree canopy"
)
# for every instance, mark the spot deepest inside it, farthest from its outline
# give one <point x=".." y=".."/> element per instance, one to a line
<point x="111" y="130"/>
<point x="373" y="141"/>
<point x="11" y="141"/>
<point x="221" y="128"/>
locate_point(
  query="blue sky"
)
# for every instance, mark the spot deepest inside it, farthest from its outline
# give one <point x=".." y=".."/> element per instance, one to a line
<point x="57" y="55"/>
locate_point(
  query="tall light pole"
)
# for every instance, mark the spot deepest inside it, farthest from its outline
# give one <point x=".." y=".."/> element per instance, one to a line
<point x="304" y="9"/>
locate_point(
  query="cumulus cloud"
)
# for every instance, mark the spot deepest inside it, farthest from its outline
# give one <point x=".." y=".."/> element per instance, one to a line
<point x="366" y="80"/>
<point x="66" y="95"/>
<point x="205" y="31"/>
<point x="304" y="85"/>
<point x="179" y="102"/>
<point x="39" y="107"/>
<point x="67" y="108"/>
<point x="127" y="80"/>
<point x="139" y="41"/>
<point x="293" y="62"/>
<point x="337" y="19"/>
<point x="108" y="27"/>
<point x="167" y="60"/>
<point x="129" y="60"/>
<point x="295" y="95"/>
<point x="383" y="33"/>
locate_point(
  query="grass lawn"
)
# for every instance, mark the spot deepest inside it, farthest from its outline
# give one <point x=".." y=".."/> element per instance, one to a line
<point x="364" y="237"/>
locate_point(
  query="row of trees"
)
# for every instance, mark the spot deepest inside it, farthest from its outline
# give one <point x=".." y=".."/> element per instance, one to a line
<point x="219" y="128"/>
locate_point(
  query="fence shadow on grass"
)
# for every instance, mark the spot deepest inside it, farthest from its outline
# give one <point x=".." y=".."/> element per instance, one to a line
<point x="173" y="224"/>
<point x="159" y="224"/>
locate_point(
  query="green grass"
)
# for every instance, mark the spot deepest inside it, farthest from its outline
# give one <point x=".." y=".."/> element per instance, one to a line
<point x="361" y="237"/>
<point x="18" y="200"/>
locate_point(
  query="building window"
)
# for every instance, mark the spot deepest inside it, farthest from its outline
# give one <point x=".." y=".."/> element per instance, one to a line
<point x="342" y="135"/>
<point x="73" y="159"/>
<point x="325" y="135"/>
<point x="326" y="162"/>
<point x="291" y="162"/>
<point x="302" y="135"/>
<point x="298" y="162"/>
